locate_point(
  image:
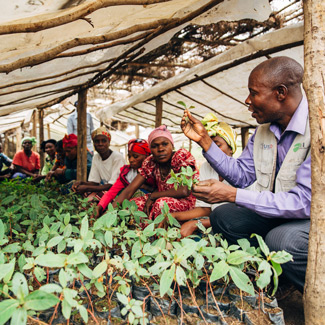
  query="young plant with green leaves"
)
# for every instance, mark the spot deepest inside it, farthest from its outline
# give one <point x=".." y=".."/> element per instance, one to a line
<point x="184" y="178"/>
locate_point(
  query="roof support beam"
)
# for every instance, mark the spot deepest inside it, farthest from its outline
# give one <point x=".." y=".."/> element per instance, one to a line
<point x="159" y="111"/>
<point x="244" y="136"/>
<point x="82" y="136"/>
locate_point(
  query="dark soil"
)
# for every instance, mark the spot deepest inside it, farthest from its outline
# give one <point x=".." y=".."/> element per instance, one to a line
<point x="293" y="309"/>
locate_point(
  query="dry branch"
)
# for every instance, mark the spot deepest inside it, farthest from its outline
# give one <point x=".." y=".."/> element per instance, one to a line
<point x="70" y="15"/>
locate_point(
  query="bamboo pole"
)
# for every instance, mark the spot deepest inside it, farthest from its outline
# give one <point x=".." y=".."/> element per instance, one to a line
<point x="159" y="110"/>
<point x="48" y="131"/>
<point x="41" y="133"/>
<point x="82" y="136"/>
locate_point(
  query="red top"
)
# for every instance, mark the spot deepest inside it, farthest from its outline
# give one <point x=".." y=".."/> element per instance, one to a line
<point x="31" y="163"/>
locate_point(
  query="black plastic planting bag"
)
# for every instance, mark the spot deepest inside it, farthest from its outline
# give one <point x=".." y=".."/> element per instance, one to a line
<point x="166" y="305"/>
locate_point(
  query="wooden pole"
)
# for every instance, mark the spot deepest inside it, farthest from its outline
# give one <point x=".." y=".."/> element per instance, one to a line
<point x="41" y="133"/>
<point x="314" y="76"/>
<point x="159" y="110"/>
<point x="6" y="144"/>
<point x="190" y="146"/>
<point x="137" y="131"/>
<point x="48" y="131"/>
<point x="18" y="138"/>
<point x="82" y="136"/>
<point x="244" y="132"/>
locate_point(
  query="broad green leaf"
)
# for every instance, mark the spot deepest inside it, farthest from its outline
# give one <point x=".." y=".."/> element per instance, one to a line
<point x="180" y="276"/>
<point x="2" y="229"/>
<point x="83" y="312"/>
<point x="109" y="238"/>
<point x="67" y="231"/>
<point x="85" y="270"/>
<point x="166" y="280"/>
<point x="62" y="246"/>
<point x="54" y="241"/>
<point x="19" y="286"/>
<point x="220" y="269"/>
<point x="6" y="270"/>
<point x="35" y="201"/>
<point x="281" y="257"/>
<point x="7" y="308"/>
<point x="51" y="260"/>
<point x="244" y="243"/>
<point x="69" y="296"/>
<point x="122" y="298"/>
<point x="238" y="257"/>
<point x="39" y="273"/>
<point x="12" y="248"/>
<point x="19" y="317"/>
<point x="241" y="280"/>
<point x="264" y="275"/>
<point x="51" y="288"/>
<point x="67" y="219"/>
<point x="8" y="199"/>
<point x="63" y="278"/>
<point x="40" y="300"/>
<point x="77" y="258"/>
<point x="84" y="227"/>
<point x="78" y="245"/>
<point x="277" y="268"/>
<point x="181" y="103"/>
<point x="262" y="244"/>
<point x="66" y="309"/>
<point x="199" y="261"/>
<point x="99" y="269"/>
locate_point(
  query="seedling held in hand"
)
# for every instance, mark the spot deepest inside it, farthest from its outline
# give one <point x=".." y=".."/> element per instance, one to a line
<point x="184" y="178"/>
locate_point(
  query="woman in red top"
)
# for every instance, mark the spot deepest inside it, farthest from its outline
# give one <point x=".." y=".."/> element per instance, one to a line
<point x="158" y="166"/>
<point x="138" y="151"/>
<point x="26" y="161"/>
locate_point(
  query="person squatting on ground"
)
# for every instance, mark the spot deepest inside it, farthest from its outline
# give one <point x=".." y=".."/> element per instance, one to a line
<point x="4" y="160"/>
<point x="26" y="161"/>
<point x="225" y="138"/>
<point x="138" y="151"/>
<point x="69" y="173"/>
<point x="277" y="157"/>
<point x="158" y="166"/>
<point x="105" y="167"/>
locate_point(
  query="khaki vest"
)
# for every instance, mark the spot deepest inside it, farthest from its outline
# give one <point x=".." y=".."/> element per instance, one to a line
<point x="265" y="154"/>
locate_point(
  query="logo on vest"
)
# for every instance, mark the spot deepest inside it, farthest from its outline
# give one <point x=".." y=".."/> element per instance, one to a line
<point x="298" y="146"/>
<point x="266" y="146"/>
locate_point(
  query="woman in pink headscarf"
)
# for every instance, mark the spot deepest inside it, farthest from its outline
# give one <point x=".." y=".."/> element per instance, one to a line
<point x="158" y="166"/>
<point x="138" y="151"/>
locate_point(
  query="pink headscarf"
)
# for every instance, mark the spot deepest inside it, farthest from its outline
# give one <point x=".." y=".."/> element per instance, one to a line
<point x="160" y="131"/>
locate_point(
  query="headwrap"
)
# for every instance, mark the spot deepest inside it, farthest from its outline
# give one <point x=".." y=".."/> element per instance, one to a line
<point x="69" y="141"/>
<point x="101" y="131"/>
<point x="31" y="139"/>
<point x="139" y="146"/>
<point x="44" y="143"/>
<point x="160" y="131"/>
<point x="221" y="129"/>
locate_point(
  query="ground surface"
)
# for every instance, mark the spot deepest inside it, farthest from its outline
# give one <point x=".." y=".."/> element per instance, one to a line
<point x="293" y="309"/>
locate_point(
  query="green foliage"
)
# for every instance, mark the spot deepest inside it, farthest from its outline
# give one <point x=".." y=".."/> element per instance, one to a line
<point x="184" y="178"/>
<point x="53" y="252"/>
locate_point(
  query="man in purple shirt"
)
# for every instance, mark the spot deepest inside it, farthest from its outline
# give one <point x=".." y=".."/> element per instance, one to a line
<point x="280" y="209"/>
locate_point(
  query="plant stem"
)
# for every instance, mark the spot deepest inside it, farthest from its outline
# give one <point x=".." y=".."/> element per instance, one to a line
<point x="55" y="310"/>
<point x="91" y="304"/>
<point x="180" y="300"/>
<point x="195" y="303"/>
<point x="152" y="295"/>
<point x="93" y="316"/>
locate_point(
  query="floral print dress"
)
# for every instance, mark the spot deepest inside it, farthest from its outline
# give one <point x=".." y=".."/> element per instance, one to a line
<point x="181" y="158"/>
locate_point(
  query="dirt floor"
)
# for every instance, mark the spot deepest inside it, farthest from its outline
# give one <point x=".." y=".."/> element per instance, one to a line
<point x="293" y="309"/>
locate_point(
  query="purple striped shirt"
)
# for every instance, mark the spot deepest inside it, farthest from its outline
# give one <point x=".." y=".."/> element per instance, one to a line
<point x="240" y="173"/>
